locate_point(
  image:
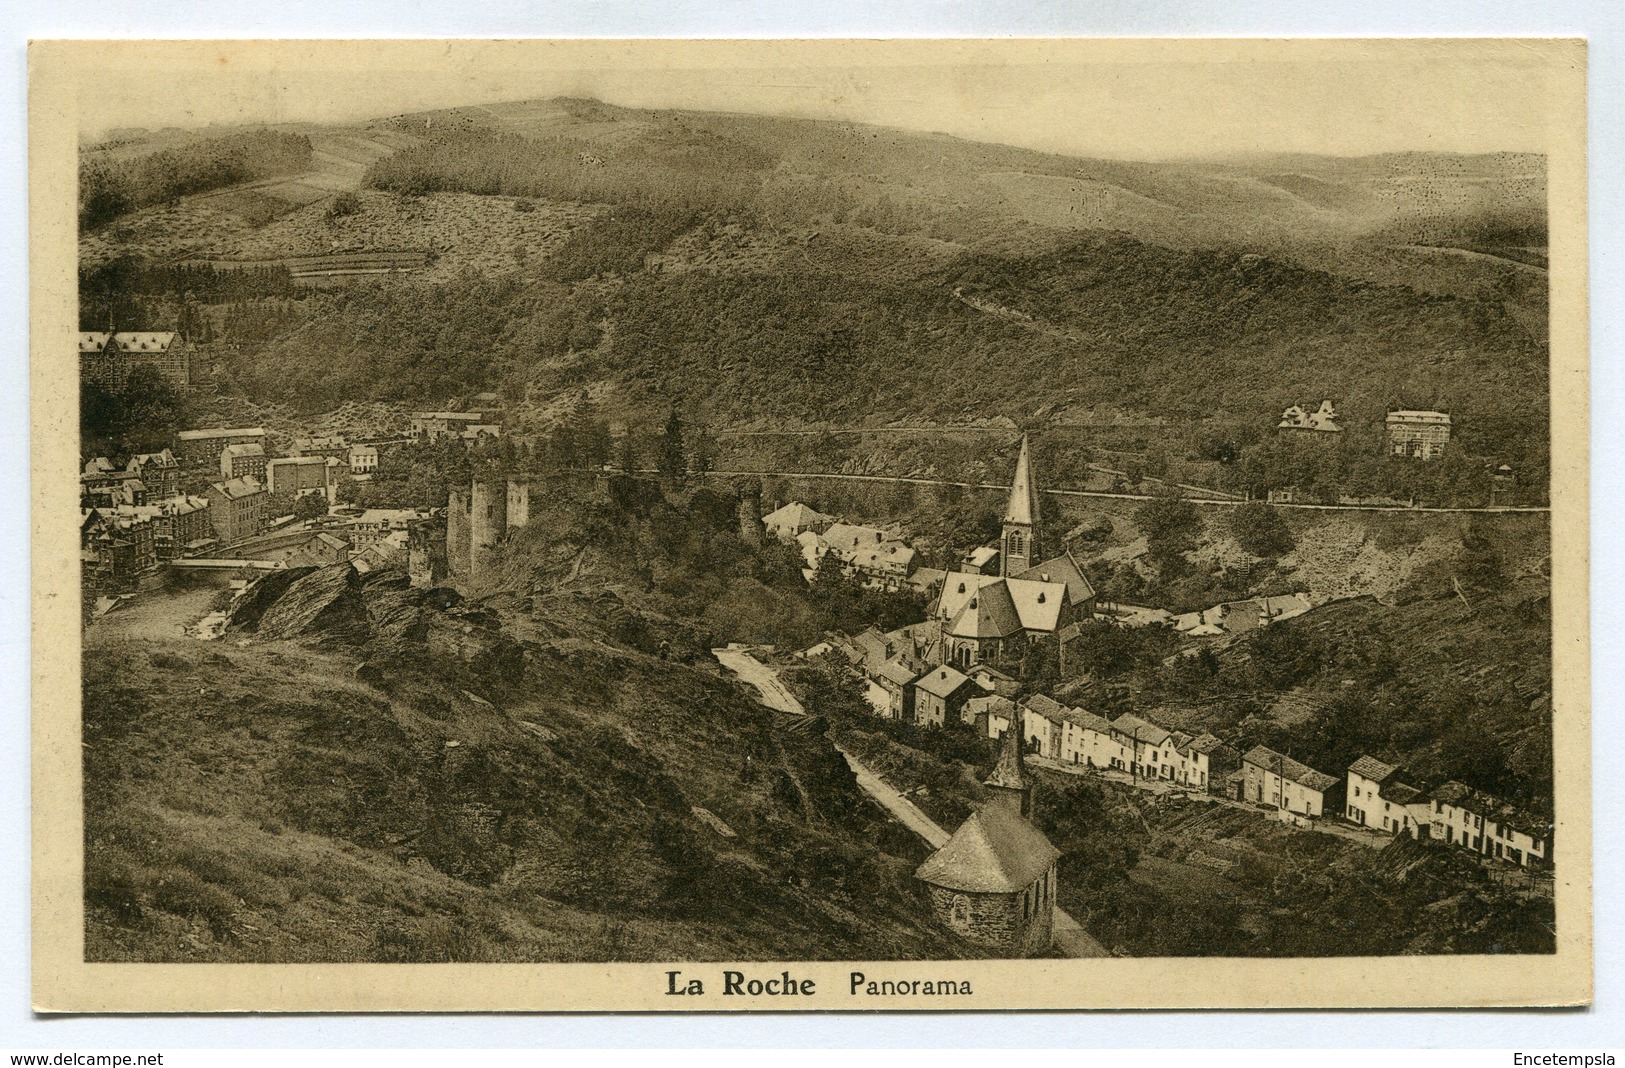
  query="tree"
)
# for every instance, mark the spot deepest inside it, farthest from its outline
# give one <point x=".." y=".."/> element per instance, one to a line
<point x="702" y="451"/>
<point x="1170" y="526"/>
<point x="627" y="454"/>
<point x="669" y="458"/>
<point x="1260" y="530"/>
<point x="310" y="506"/>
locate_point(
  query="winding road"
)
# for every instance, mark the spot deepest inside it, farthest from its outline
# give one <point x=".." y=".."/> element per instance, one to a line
<point x="1069" y="936"/>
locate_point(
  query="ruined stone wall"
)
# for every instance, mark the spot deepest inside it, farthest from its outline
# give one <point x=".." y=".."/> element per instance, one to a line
<point x="426" y="564"/>
<point x="459" y="532"/>
<point x="518" y="503"/>
<point x="488" y="522"/>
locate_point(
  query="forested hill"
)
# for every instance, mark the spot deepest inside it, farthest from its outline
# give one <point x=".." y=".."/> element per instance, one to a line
<point x="752" y="269"/>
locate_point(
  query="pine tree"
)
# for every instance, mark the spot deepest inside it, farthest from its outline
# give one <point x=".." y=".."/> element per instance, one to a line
<point x="670" y="459"/>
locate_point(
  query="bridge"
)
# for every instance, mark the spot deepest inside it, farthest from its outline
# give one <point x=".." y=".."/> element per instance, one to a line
<point x="201" y="563"/>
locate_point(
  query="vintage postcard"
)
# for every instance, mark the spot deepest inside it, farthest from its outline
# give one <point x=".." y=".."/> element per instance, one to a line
<point x="809" y="525"/>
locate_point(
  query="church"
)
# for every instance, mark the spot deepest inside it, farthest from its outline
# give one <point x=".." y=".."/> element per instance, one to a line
<point x="993" y="882"/>
<point x="999" y="601"/>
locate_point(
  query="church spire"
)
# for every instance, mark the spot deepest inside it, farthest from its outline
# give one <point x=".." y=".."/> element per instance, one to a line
<point x="1019" y="549"/>
<point x="1008" y="779"/>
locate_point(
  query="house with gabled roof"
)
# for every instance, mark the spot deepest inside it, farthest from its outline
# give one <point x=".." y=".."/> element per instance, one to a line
<point x="108" y="359"/>
<point x="1207" y="760"/>
<point x="1271" y="778"/>
<point x="1378" y="796"/>
<point x="795" y="518"/>
<point x="940" y="695"/>
<point x="1473" y="820"/>
<point x="894" y="677"/>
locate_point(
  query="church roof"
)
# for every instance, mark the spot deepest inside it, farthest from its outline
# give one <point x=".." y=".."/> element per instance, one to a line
<point x="1001" y="606"/>
<point x="1023" y="506"/>
<point x="989" y="612"/>
<point x="1063" y="569"/>
<point x="1038" y="604"/>
<point x="996" y="851"/>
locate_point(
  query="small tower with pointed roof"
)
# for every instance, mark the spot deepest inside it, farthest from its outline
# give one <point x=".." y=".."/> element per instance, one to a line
<point x="1019" y="543"/>
<point x="1008" y="782"/>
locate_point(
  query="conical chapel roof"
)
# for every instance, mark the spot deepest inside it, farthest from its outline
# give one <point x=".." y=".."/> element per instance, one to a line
<point x="996" y="851"/>
<point x="1023" y="506"/>
<point x="1010" y="772"/>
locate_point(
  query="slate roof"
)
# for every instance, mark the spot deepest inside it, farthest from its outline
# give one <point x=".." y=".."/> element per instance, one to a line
<point x="1479" y="803"/>
<point x="996" y="851"/>
<point x="220" y="432"/>
<point x="1065" y="570"/>
<point x="1023" y="504"/>
<point x="794" y="515"/>
<point x="1038" y="604"/>
<point x="1045" y="706"/>
<point x="143" y="341"/>
<point x="1140" y="730"/>
<point x="849" y="536"/>
<point x="1289" y="769"/>
<point x="991" y="704"/>
<point x="127" y="340"/>
<point x="246" y="486"/>
<point x="895" y="671"/>
<point x="980" y="556"/>
<point x="1369" y="767"/>
<point x="989" y="612"/>
<point x="942" y="681"/>
<point x="1205" y="743"/>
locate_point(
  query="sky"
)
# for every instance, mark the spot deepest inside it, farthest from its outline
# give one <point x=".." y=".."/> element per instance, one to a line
<point x="1125" y="99"/>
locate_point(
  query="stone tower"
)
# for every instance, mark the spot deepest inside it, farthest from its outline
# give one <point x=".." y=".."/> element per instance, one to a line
<point x="458" y="532"/>
<point x="1018" y="547"/>
<point x="488" y="522"/>
<point x="518" y="503"/>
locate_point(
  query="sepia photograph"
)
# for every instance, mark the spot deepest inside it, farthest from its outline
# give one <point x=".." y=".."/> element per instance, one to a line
<point x="810" y="524"/>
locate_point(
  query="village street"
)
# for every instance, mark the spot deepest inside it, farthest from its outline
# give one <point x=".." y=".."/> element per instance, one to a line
<point x="1070" y="937"/>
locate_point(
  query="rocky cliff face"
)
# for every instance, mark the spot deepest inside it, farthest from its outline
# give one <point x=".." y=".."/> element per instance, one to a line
<point x="326" y="603"/>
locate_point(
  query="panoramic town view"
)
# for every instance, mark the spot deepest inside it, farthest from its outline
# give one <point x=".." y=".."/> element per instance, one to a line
<point x="562" y="531"/>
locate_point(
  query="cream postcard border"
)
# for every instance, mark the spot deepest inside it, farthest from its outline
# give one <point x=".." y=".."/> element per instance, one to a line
<point x="64" y="982"/>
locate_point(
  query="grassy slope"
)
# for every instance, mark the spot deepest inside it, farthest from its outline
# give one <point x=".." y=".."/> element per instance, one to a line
<point x="261" y="803"/>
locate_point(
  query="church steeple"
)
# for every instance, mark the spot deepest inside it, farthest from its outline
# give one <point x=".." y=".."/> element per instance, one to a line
<point x="1008" y="780"/>
<point x="1018" y="549"/>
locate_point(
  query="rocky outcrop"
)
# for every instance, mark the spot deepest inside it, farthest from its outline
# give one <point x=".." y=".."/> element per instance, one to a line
<point x="253" y="602"/>
<point x="326" y="603"/>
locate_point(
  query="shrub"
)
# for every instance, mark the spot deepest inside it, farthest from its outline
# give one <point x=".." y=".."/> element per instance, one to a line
<point x="1260" y="530"/>
<point x="342" y="205"/>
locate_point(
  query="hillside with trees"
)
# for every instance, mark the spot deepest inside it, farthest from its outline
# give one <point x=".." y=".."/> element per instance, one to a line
<point x="752" y="271"/>
<point x="111" y="185"/>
